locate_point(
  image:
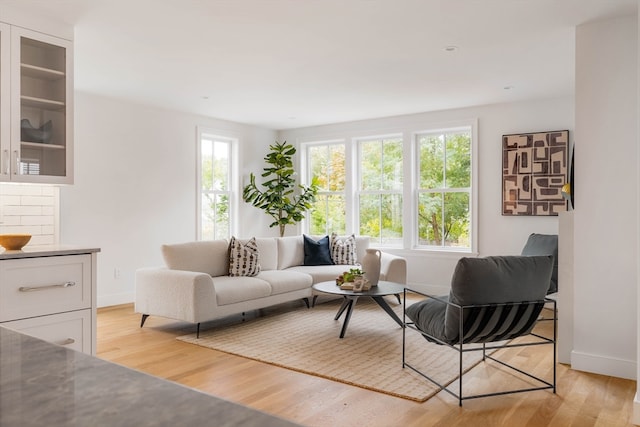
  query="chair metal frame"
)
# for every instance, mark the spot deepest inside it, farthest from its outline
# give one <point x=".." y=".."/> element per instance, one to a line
<point x="460" y="347"/>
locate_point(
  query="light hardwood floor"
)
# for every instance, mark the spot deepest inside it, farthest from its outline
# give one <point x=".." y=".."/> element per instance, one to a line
<point x="582" y="399"/>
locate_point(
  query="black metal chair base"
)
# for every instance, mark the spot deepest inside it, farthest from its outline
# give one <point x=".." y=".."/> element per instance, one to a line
<point x="544" y="384"/>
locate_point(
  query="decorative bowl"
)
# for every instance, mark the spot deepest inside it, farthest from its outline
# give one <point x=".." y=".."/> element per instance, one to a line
<point x="14" y="242"/>
<point x="28" y="133"/>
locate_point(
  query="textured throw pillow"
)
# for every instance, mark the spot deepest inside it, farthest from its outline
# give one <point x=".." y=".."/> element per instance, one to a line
<point x="317" y="252"/>
<point x="343" y="251"/>
<point x="243" y="258"/>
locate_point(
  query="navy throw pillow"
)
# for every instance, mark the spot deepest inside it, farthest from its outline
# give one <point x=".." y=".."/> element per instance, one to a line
<point x="317" y="252"/>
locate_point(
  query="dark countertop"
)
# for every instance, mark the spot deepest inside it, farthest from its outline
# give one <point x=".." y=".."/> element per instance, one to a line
<point x="42" y="384"/>
<point x="42" y="251"/>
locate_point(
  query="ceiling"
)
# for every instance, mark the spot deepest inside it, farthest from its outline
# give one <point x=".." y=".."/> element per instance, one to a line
<point x="285" y="64"/>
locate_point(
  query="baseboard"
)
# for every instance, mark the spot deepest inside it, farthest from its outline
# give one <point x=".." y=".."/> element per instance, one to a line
<point x="635" y="417"/>
<point x="115" y="299"/>
<point x="610" y="366"/>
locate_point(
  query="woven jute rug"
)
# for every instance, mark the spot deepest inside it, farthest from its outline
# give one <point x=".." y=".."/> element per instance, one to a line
<point x="369" y="356"/>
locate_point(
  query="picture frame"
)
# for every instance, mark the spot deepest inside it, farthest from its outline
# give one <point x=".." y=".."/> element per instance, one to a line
<point x="534" y="169"/>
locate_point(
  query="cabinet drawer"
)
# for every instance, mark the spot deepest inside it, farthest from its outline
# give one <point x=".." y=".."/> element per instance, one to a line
<point x="72" y="330"/>
<point x="32" y="287"/>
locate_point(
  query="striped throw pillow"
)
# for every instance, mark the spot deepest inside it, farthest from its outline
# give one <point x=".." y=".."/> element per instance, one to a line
<point x="343" y="251"/>
<point x="243" y="258"/>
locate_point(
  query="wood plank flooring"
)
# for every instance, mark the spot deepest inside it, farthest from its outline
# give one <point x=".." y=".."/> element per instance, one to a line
<point x="582" y="399"/>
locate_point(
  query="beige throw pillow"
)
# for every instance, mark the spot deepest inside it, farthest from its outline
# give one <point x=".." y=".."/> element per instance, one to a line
<point x="243" y="258"/>
<point x="343" y="251"/>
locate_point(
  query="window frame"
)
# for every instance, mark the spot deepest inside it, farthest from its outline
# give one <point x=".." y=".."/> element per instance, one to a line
<point x="408" y="133"/>
<point x="359" y="191"/>
<point x="232" y="177"/>
<point x="306" y="169"/>
<point x="471" y="127"/>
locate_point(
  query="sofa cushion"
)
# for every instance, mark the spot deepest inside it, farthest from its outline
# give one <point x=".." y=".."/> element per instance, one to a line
<point x="231" y="290"/>
<point x="290" y="251"/>
<point x="283" y="281"/>
<point x="317" y="252"/>
<point x="268" y="250"/>
<point x="343" y="250"/>
<point x="243" y="258"/>
<point x="362" y="244"/>
<point x="322" y="274"/>
<point x="205" y="256"/>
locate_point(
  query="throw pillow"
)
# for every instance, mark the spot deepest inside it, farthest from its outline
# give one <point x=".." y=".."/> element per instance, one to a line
<point x="243" y="258"/>
<point x="317" y="252"/>
<point x="343" y="251"/>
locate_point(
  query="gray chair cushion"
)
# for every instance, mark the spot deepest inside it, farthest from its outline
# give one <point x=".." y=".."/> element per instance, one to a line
<point x="494" y="280"/>
<point x="428" y="316"/>
<point x="544" y="244"/>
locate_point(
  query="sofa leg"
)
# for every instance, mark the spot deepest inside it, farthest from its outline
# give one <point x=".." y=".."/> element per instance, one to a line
<point x="144" y="319"/>
<point x="198" y="331"/>
<point x="306" y="301"/>
<point x="313" y="301"/>
<point x="399" y="300"/>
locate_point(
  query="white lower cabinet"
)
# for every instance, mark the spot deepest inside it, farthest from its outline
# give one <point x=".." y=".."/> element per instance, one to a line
<point x="51" y="297"/>
<point x="72" y="329"/>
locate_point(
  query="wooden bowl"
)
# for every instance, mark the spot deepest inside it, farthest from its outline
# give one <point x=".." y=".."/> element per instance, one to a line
<point x="14" y="242"/>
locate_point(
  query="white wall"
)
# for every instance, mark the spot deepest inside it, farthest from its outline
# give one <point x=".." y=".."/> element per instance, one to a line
<point x="135" y="185"/>
<point x="606" y="198"/>
<point x="497" y="234"/>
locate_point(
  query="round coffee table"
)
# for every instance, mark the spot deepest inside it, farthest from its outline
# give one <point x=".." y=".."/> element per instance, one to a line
<point x="350" y="297"/>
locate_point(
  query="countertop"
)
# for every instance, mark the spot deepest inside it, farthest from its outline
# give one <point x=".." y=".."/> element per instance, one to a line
<point x="42" y="384"/>
<point x="42" y="251"/>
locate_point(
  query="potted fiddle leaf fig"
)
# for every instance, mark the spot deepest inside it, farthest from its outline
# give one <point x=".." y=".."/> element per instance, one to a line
<point x="278" y="196"/>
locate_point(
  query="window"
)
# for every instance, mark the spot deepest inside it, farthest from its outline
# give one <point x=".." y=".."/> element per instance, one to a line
<point x="215" y="201"/>
<point x="380" y="189"/>
<point x="444" y="177"/>
<point x="404" y="192"/>
<point x="326" y="162"/>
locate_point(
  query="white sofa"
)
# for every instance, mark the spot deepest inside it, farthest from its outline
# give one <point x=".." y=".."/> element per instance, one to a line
<point x="195" y="285"/>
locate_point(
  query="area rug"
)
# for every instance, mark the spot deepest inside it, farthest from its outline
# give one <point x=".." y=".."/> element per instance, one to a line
<point x="369" y="356"/>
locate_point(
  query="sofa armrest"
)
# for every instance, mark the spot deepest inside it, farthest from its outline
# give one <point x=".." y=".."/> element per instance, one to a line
<point x="177" y="294"/>
<point x="393" y="268"/>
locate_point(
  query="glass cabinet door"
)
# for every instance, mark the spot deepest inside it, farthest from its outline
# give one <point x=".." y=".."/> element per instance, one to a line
<point x="5" y="104"/>
<point x="41" y="127"/>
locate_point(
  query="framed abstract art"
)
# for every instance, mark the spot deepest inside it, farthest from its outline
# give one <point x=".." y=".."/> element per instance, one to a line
<point x="534" y="169"/>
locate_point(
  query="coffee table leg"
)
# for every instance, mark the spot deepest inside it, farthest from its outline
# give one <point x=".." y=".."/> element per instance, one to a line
<point x="382" y="303"/>
<point x="345" y="303"/>
<point x="351" y="302"/>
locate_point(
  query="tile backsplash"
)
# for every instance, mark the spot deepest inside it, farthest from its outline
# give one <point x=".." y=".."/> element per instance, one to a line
<point x="31" y="209"/>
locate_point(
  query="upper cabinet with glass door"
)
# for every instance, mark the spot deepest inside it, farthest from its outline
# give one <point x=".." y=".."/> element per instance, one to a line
<point x="41" y="148"/>
<point x="5" y="103"/>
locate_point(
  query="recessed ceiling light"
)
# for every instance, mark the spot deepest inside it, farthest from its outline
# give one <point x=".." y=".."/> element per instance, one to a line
<point x="508" y="87"/>
<point x="450" y="48"/>
<point x="205" y="97"/>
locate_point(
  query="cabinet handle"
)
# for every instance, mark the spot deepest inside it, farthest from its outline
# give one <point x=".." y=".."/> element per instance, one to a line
<point x="6" y="162"/>
<point x="68" y="341"/>
<point x="17" y="156"/>
<point x="42" y="288"/>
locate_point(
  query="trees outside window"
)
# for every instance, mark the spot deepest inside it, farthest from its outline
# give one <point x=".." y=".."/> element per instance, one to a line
<point x="215" y="183"/>
<point x="380" y="189"/>
<point x="444" y="189"/>
<point x="371" y="186"/>
<point x="326" y="163"/>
